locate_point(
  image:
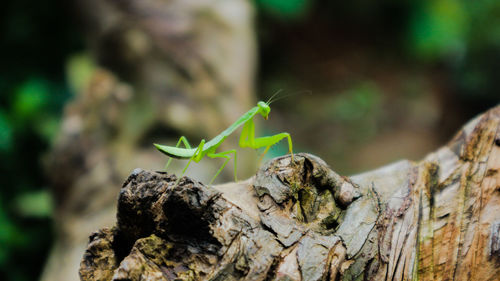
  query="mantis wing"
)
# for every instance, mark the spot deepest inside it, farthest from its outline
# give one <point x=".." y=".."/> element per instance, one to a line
<point x="176" y="152"/>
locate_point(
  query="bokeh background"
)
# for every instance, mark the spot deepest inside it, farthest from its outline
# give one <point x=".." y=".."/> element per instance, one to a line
<point x="364" y="83"/>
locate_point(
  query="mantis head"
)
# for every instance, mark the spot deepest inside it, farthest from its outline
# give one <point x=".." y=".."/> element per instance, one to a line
<point x="264" y="109"/>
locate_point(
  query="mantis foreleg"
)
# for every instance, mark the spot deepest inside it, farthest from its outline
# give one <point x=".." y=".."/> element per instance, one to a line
<point x="186" y="144"/>
<point x="247" y="139"/>
<point x="272" y="140"/>
<point x="223" y="155"/>
<point x="247" y="136"/>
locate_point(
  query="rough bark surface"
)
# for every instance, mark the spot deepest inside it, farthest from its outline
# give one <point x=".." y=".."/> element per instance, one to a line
<point x="438" y="219"/>
<point x="166" y="68"/>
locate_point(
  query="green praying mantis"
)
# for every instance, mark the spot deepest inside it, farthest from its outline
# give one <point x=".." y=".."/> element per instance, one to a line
<point x="208" y="148"/>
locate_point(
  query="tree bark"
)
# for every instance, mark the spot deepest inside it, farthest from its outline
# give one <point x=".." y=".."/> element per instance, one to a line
<point x="165" y="69"/>
<point x="296" y="219"/>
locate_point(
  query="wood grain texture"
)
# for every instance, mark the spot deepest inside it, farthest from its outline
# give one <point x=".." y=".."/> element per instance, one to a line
<point x="437" y="219"/>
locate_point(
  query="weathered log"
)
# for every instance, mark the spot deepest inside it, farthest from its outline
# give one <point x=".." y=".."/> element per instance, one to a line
<point x="165" y="68"/>
<point x="296" y="219"/>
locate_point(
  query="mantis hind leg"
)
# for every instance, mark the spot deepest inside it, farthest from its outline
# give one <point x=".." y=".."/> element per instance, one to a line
<point x="186" y="144"/>
<point x="197" y="155"/>
<point x="223" y="155"/>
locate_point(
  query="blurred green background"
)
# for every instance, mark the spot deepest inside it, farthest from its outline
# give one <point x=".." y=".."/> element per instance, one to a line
<point x="37" y="38"/>
<point x="363" y="74"/>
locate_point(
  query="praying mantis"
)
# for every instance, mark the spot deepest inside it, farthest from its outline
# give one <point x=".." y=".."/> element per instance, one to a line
<point x="208" y="148"/>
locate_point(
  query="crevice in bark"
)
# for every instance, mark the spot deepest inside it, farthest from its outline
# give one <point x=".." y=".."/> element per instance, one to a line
<point x="187" y="223"/>
<point x="121" y="246"/>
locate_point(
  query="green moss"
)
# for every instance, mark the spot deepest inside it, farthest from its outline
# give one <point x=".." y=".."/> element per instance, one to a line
<point x="308" y="202"/>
